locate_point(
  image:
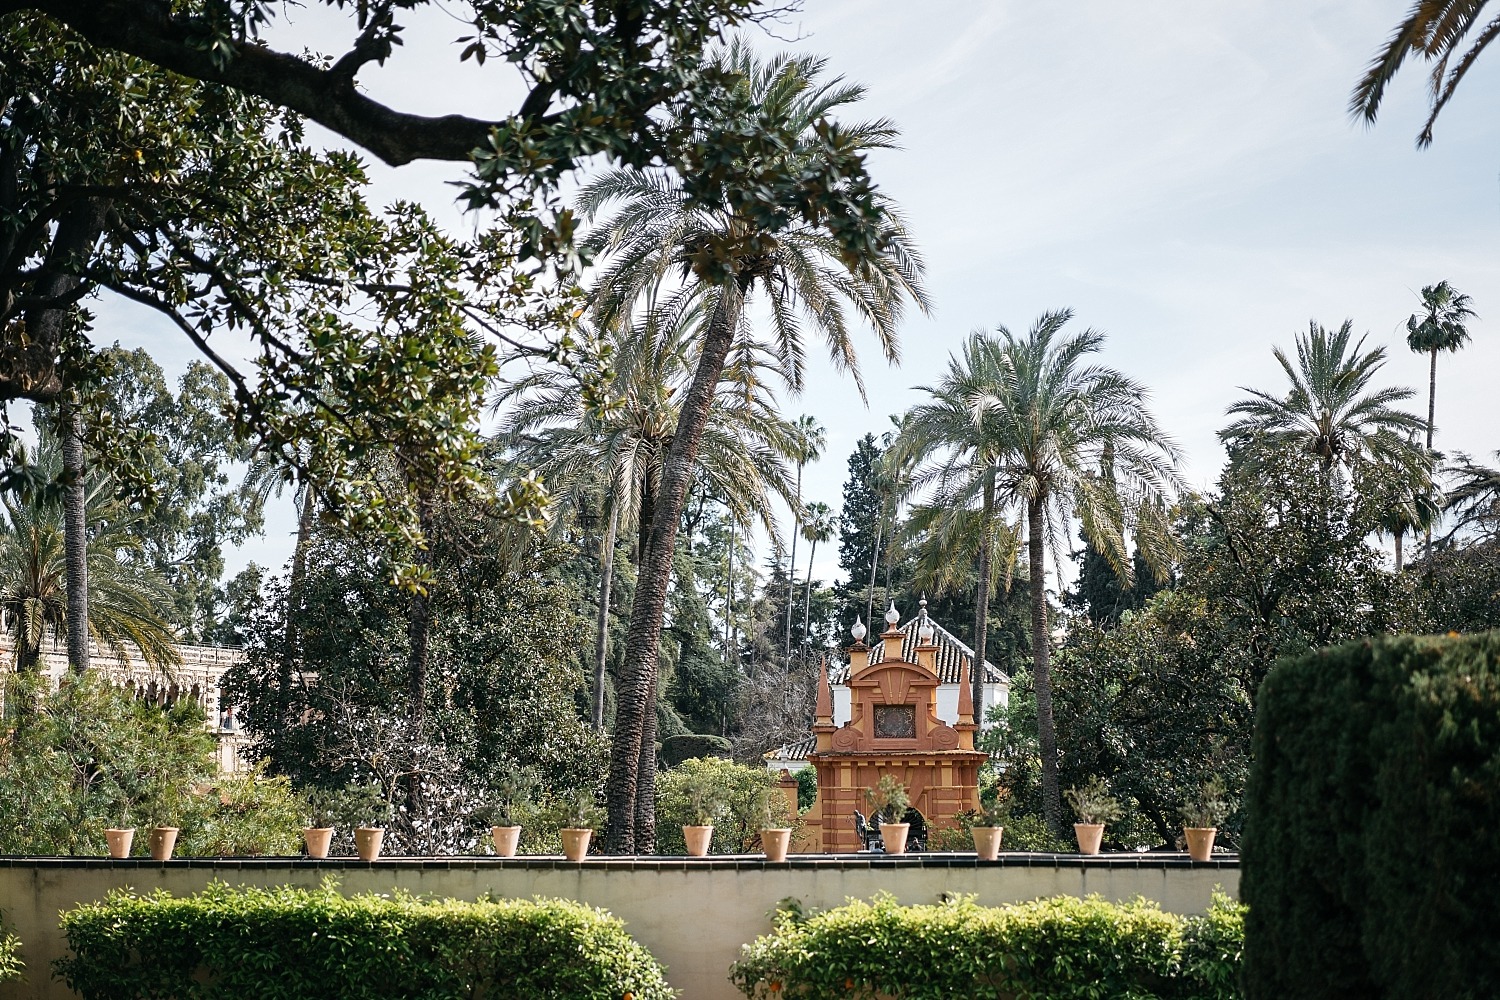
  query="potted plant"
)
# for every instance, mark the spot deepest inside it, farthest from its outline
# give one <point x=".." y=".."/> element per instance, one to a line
<point x="369" y="836"/>
<point x="499" y="814"/>
<point x="987" y="824"/>
<point x="119" y="838"/>
<point x="162" y="840"/>
<point x="775" y="817"/>
<point x="583" y="816"/>
<point x="888" y="804"/>
<point x="1095" y="807"/>
<point x="322" y="803"/>
<point x="705" y="806"/>
<point x="1202" y="813"/>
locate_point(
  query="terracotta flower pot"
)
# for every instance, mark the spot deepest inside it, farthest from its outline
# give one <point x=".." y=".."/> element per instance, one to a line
<point x="317" y="839"/>
<point x="1200" y="841"/>
<point x="698" y="838"/>
<point x="894" y="835"/>
<point x="575" y="842"/>
<point x="775" y="841"/>
<point x="506" y="838"/>
<point x="163" y="839"/>
<point x="119" y="840"/>
<point x="368" y="841"/>
<point x="987" y="841"/>
<point x="1089" y="835"/>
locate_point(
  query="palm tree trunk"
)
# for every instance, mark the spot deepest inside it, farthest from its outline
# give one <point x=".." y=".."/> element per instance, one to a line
<point x="1041" y="666"/>
<point x="601" y="633"/>
<point x="731" y="652"/>
<point x="419" y="627"/>
<point x="1431" y="418"/>
<point x="645" y="783"/>
<point x="1399" y="561"/>
<point x="637" y="697"/>
<point x="807" y="593"/>
<point x="791" y="569"/>
<point x="874" y="567"/>
<point x="75" y="537"/>
<point x="296" y="580"/>
<point x="982" y="601"/>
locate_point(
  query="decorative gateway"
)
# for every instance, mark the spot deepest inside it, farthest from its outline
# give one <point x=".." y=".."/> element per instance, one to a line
<point x="893" y="729"/>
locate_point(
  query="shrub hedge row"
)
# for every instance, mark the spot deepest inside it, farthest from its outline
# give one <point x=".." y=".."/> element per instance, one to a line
<point x="1369" y="866"/>
<point x="1060" y="948"/>
<point x="299" y="943"/>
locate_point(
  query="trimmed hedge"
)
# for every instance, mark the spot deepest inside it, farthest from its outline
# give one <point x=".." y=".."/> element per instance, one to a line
<point x="1059" y="949"/>
<point x="1368" y="861"/>
<point x="298" y="943"/>
<point x="676" y="749"/>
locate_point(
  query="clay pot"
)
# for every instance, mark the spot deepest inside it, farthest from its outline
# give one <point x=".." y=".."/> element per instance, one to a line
<point x="1200" y="841"/>
<point x="368" y="840"/>
<point x="894" y="835"/>
<point x="987" y="841"/>
<point x="119" y="841"/>
<point x="775" y="842"/>
<point x="506" y="838"/>
<point x="575" y="842"/>
<point x="1089" y="836"/>
<point x="698" y="838"/>
<point x="163" y="839"/>
<point x="317" y="839"/>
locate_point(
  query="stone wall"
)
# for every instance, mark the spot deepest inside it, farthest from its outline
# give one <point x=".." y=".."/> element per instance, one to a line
<point x="693" y="915"/>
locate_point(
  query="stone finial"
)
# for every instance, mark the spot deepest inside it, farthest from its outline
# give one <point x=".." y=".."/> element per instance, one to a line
<point x="892" y="616"/>
<point x="859" y="630"/>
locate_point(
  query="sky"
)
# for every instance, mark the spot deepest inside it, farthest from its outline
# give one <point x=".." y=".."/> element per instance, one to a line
<point x="1184" y="176"/>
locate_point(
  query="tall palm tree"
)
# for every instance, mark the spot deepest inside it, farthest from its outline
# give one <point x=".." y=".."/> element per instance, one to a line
<point x="1434" y="31"/>
<point x="807" y="263"/>
<point x="1409" y="505"/>
<point x="126" y="601"/>
<point x="1440" y="327"/>
<point x="1329" y="410"/>
<point x="820" y="525"/>
<point x="810" y="438"/>
<point x="1028" y="422"/>
<point x="612" y="456"/>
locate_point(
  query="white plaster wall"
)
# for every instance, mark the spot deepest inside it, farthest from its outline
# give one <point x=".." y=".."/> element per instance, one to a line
<point x="947" y="702"/>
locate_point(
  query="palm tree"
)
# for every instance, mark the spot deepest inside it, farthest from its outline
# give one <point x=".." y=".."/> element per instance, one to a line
<point x="820" y="525"/>
<point x="125" y="600"/>
<point x="1409" y="506"/>
<point x="1440" y="328"/>
<point x="1474" y="501"/>
<point x="1435" y="31"/>
<point x="1330" y="411"/>
<point x="1023" y="424"/>
<point x="809" y="263"/>
<point x="611" y="457"/>
<point x="810" y="438"/>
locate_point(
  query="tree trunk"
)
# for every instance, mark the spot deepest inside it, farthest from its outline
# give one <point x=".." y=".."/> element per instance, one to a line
<point x="645" y="783"/>
<point x="419" y="627"/>
<point x="731" y="648"/>
<point x="296" y="580"/>
<point x="982" y="602"/>
<point x="1431" y="417"/>
<point x="1399" y="561"/>
<point x="807" y="593"/>
<point x="601" y="635"/>
<point x="1041" y="666"/>
<point x="874" y="568"/>
<point x="791" y="568"/>
<point x="75" y="536"/>
<point x="643" y="640"/>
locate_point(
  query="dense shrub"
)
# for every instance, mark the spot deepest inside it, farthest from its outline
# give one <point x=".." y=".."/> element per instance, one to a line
<point x="676" y="749"/>
<point x="739" y="790"/>
<point x="1057" y="949"/>
<point x="1375" y="789"/>
<point x="297" y="943"/>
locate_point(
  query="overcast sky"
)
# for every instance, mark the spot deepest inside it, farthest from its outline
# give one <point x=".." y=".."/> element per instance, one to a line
<point x="1184" y="176"/>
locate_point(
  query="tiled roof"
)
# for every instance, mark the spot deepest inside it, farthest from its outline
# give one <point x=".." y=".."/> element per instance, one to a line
<point x="951" y="655"/>
<point x="794" y="751"/>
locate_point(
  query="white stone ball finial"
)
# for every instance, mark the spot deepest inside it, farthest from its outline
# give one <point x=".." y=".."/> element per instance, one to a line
<point x="892" y="616"/>
<point x="859" y="630"/>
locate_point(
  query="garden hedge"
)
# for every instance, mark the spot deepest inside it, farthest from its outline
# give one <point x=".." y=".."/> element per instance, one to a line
<point x="1368" y="862"/>
<point x="676" y="749"/>
<point x="299" y="943"/>
<point x="1059" y="949"/>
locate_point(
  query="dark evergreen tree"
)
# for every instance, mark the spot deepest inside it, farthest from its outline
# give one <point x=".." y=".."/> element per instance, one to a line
<point x="1103" y="594"/>
<point x="860" y="529"/>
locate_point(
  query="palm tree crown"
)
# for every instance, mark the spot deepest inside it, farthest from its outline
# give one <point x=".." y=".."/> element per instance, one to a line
<point x="1330" y="410"/>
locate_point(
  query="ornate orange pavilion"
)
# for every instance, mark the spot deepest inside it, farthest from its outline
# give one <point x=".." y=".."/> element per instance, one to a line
<point x="894" y="729"/>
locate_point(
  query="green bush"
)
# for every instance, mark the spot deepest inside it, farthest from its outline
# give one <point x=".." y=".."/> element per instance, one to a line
<point x="740" y="788"/>
<point x="11" y="965"/>
<point x="676" y="749"/>
<point x="296" y="943"/>
<point x="1058" y="949"/>
<point x="1374" y="790"/>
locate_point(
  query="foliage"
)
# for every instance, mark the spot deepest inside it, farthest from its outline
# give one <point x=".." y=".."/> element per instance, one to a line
<point x="11" y="966"/>
<point x="292" y="942"/>
<point x="888" y="799"/>
<point x="511" y="796"/>
<point x="1365" y="867"/>
<point x="1056" y="949"/>
<point x="744" y="794"/>
<point x="86" y="757"/>
<point x="807" y="787"/>
<point x="1092" y="802"/>
<point x="676" y="749"/>
<point x="1207" y="806"/>
<point x="1460" y="588"/>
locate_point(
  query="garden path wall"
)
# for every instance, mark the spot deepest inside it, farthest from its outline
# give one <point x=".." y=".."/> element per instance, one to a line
<point x="692" y="915"/>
